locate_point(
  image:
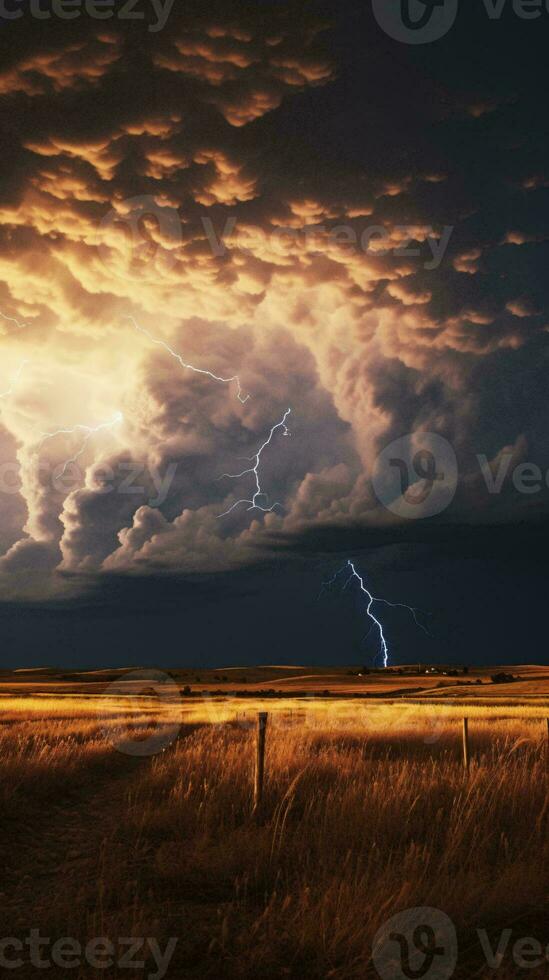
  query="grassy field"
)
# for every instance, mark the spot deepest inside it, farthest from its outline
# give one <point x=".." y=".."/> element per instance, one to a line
<point x="531" y="680"/>
<point x="367" y="811"/>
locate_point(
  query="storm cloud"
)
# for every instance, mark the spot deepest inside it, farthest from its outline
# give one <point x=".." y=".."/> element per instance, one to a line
<point x="281" y="196"/>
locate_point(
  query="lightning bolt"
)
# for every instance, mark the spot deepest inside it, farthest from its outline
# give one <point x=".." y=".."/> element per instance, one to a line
<point x="12" y="319"/>
<point x="190" y="367"/>
<point x="256" y="460"/>
<point x="89" y="433"/>
<point x="370" y="603"/>
<point x="16" y="377"/>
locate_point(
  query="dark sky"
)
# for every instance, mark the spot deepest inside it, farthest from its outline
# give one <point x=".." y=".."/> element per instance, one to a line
<point x="480" y="594"/>
<point x="415" y="377"/>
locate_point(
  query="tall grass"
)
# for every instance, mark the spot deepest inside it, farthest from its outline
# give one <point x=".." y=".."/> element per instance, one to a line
<point x="353" y="829"/>
<point x="358" y="822"/>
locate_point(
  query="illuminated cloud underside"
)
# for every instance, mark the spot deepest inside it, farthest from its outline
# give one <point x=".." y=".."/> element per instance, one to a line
<point x="364" y="347"/>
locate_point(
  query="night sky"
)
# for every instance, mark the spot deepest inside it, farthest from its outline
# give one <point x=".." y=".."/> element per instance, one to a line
<point x="183" y="214"/>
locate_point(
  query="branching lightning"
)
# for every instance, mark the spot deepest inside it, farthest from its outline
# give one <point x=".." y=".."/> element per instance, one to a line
<point x="15" y="380"/>
<point x="190" y="367"/>
<point x="370" y="603"/>
<point x="88" y="431"/>
<point x="256" y="460"/>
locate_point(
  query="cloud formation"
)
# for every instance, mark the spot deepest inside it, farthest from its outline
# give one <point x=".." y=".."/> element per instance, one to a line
<point x="200" y="184"/>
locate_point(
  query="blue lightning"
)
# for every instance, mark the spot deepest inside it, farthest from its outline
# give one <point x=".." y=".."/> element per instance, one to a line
<point x="190" y="367"/>
<point x="371" y="600"/>
<point x="89" y="432"/>
<point x="256" y="460"/>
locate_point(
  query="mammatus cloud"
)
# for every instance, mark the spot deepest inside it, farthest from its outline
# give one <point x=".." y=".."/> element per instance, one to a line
<point x="180" y="267"/>
<point x="66" y="67"/>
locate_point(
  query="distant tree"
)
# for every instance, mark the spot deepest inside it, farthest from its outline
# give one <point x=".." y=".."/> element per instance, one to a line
<point x="502" y="678"/>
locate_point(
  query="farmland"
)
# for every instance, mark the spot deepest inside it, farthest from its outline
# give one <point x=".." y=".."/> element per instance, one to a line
<point x="367" y="811"/>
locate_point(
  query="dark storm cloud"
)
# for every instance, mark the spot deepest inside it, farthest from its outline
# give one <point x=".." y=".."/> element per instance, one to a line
<point x="273" y="117"/>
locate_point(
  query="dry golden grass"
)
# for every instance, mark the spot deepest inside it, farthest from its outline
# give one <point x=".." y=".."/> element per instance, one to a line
<point x="367" y="811"/>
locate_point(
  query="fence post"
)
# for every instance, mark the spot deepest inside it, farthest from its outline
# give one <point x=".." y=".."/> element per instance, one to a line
<point x="466" y="753"/>
<point x="260" y="758"/>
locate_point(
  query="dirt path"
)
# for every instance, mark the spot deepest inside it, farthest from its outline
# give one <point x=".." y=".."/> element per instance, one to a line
<point x="53" y="854"/>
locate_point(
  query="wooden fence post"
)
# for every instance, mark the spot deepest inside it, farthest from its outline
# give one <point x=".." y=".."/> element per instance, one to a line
<point x="260" y="758"/>
<point x="466" y="753"/>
